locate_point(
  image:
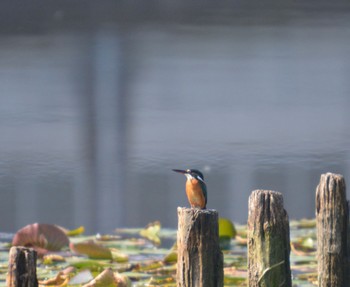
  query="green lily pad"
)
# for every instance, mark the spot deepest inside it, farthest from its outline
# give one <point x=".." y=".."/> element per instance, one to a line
<point x="91" y="249"/>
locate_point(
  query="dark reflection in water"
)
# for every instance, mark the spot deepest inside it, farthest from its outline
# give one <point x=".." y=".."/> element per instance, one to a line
<point x="94" y="117"/>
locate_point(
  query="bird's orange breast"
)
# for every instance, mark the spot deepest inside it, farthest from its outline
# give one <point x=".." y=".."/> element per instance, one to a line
<point x="194" y="193"/>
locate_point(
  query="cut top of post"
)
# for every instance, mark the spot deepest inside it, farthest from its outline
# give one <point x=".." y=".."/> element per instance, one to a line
<point x="330" y="188"/>
<point x="196" y="210"/>
<point x="268" y="201"/>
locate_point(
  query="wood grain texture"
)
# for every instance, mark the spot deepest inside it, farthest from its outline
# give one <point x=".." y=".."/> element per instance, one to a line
<point x="200" y="260"/>
<point x="332" y="223"/>
<point x="268" y="240"/>
<point x="22" y="267"/>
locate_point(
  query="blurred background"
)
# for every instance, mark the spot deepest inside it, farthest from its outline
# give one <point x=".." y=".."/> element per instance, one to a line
<point x="99" y="100"/>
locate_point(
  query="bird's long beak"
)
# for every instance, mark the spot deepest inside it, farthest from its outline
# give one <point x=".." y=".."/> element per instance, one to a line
<point x="180" y="171"/>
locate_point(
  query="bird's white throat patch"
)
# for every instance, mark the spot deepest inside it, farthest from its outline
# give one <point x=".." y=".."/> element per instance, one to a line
<point x="189" y="177"/>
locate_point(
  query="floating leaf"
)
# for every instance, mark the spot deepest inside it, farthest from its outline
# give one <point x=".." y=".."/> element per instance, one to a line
<point x="171" y="257"/>
<point x="118" y="256"/>
<point x="311" y="277"/>
<point x="130" y="231"/>
<point x="60" y="280"/>
<point x="107" y="237"/>
<point x="161" y="280"/>
<point x="136" y="275"/>
<point x="149" y="261"/>
<point x="92" y="265"/>
<point x="78" y="231"/>
<point x="92" y="249"/>
<point x="151" y="232"/>
<point x="109" y="279"/>
<point x="42" y="237"/>
<point x="52" y="258"/>
<point x="152" y="265"/>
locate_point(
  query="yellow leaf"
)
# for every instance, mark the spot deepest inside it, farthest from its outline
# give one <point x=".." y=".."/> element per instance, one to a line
<point x="109" y="279"/>
<point x="91" y="249"/>
<point x="226" y="228"/>
<point x="78" y="231"/>
<point x="58" y="281"/>
<point x="118" y="256"/>
<point x="171" y="257"/>
<point x="52" y="258"/>
<point x="151" y="232"/>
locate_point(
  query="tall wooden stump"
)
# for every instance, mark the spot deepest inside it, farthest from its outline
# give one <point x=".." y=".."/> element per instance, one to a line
<point x="332" y="222"/>
<point x="268" y="240"/>
<point x="22" y="267"/>
<point x="200" y="260"/>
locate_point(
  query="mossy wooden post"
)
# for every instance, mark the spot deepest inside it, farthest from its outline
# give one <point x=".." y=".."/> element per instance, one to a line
<point x="22" y="267"/>
<point x="332" y="224"/>
<point x="268" y="240"/>
<point x="200" y="260"/>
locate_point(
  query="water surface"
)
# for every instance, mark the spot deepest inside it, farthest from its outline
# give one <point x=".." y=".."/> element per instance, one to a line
<point x="93" y="119"/>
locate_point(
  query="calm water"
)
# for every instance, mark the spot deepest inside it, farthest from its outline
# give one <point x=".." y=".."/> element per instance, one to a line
<point x="92" y="120"/>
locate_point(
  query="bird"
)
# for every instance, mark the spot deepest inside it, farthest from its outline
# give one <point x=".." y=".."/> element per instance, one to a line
<point x="196" y="190"/>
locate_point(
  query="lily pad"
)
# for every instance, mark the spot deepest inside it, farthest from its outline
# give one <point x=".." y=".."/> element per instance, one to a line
<point x="53" y="258"/>
<point x="109" y="279"/>
<point x="43" y="237"/>
<point x="171" y="257"/>
<point x="59" y="280"/>
<point x="92" y="249"/>
<point x="151" y="232"/>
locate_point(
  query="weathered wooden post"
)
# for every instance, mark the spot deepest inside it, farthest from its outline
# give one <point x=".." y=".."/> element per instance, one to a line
<point x="22" y="267"/>
<point x="200" y="260"/>
<point x="332" y="223"/>
<point x="268" y="240"/>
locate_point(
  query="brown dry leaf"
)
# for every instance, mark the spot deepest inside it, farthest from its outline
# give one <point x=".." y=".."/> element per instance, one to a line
<point x="41" y="237"/>
<point x="109" y="279"/>
<point x="60" y="280"/>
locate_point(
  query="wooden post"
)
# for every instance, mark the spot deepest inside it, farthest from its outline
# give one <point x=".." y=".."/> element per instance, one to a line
<point x="22" y="267"/>
<point x="332" y="223"/>
<point x="268" y="241"/>
<point x="200" y="260"/>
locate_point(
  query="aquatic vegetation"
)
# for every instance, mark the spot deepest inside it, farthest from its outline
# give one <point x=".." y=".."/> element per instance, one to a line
<point x="144" y="256"/>
<point x="42" y="237"/>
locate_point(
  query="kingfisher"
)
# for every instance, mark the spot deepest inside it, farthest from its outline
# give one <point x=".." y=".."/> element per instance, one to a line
<point x="196" y="190"/>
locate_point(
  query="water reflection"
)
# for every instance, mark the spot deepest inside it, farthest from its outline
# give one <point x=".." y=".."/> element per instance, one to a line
<point x="92" y="122"/>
